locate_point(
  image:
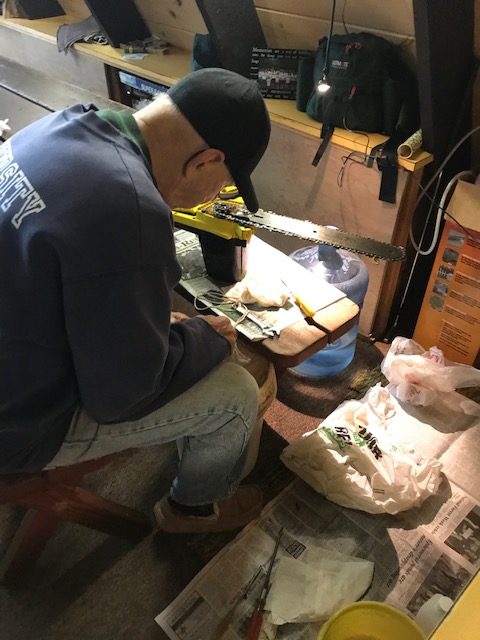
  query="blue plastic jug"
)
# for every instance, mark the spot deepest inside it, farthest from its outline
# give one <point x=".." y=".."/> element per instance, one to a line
<point x="347" y="272"/>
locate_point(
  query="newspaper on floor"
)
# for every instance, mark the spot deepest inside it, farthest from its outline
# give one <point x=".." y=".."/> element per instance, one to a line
<point x="432" y="549"/>
<point x="263" y="259"/>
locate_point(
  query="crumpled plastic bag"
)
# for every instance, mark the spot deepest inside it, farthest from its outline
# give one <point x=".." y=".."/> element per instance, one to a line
<point x="264" y="291"/>
<point x="356" y="459"/>
<point x="425" y="378"/>
<point x="313" y="587"/>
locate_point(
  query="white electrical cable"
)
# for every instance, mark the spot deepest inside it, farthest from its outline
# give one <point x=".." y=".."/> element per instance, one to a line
<point x="437" y="173"/>
<point x="440" y="210"/>
<point x="444" y="162"/>
<point x="445" y="193"/>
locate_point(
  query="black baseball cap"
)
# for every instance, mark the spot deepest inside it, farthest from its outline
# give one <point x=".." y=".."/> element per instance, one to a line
<point x="229" y="113"/>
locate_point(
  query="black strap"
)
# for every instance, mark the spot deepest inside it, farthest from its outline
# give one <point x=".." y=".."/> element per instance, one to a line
<point x="385" y="154"/>
<point x="388" y="165"/>
<point x="374" y="151"/>
<point x="326" y="134"/>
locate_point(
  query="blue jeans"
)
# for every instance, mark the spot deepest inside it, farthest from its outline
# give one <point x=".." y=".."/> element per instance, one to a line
<point x="211" y="423"/>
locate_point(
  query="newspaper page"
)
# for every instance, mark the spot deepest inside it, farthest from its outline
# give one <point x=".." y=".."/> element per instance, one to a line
<point x="254" y="321"/>
<point x="431" y="549"/>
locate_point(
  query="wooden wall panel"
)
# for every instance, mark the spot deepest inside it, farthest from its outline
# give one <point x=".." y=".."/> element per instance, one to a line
<point x="175" y="20"/>
<point x="180" y="14"/>
<point x="391" y="17"/>
<point x="74" y="68"/>
<point x="297" y="31"/>
<point x="286" y="23"/>
<point x="76" y="8"/>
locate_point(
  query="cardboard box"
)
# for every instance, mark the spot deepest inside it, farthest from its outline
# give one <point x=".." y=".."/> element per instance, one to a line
<point x="450" y="314"/>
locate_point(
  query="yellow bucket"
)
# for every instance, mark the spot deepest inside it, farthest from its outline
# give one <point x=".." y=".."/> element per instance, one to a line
<point x="367" y="620"/>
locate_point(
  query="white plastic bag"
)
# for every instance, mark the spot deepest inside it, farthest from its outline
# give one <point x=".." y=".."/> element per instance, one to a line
<point x="424" y="377"/>
<point x="355" y="457"/>
<point x="262" y="290"/>
<point x="315" y="585"/>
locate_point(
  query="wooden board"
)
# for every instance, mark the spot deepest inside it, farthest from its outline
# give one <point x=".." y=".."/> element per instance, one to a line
<point x="393" y="17"/>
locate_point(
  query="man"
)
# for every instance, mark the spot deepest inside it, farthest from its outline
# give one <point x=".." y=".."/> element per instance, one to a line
<point x="91" y="360"/>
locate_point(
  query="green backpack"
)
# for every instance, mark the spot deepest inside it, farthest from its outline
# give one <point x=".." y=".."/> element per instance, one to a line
<point x="371" y="90"/>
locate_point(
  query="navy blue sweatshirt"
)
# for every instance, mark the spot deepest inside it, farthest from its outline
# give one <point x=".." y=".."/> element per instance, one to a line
<point x="87" y="267"/>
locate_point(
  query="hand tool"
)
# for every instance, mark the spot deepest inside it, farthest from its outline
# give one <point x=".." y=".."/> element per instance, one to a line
<point x="257" y="616"/>
<point x="302" y="304"/>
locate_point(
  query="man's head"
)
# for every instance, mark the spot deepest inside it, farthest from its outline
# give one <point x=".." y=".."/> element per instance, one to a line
<point x="228" y="113"/>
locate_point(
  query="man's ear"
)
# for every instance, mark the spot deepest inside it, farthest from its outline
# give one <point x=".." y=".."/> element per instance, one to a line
<point x="202" y="158"/>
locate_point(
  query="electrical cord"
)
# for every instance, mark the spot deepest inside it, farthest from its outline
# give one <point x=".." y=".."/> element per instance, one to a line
<point x="351" y="155"/>
<point x="363" y="133"/>
<point x="424" y="191"/>
<point x="327" y="49"/>
<point x="343" y="17"/>
<point x="440" y="211"/>
<point x="444" y="163"/>
<point x="213" y="298"/>
<point x="349" y="158"/>
<point x="441" y="205"/>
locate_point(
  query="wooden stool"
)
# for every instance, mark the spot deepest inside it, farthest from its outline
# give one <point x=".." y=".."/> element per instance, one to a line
<point x="54" y="495"/>
<point x="264" y="373"/>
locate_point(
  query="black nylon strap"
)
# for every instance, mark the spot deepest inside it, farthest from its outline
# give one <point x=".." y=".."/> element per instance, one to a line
<point x="388" y="185"/>
<point x="388" y="165"/>
<point x="326" y="134"/>
<point x="373" y="154"/>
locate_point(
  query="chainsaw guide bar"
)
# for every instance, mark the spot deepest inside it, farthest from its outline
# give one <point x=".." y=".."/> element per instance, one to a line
<point x="306" y="230"/>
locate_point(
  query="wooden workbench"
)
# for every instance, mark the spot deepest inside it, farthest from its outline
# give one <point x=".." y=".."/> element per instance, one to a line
<point x="335" y="316"/>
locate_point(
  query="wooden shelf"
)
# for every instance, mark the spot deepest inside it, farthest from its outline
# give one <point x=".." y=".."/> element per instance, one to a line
<point x="168" y="68"/>
<point x="285" y="113"/>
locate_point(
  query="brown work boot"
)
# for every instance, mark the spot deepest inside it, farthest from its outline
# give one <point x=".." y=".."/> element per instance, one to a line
<point x="232" y="513"/>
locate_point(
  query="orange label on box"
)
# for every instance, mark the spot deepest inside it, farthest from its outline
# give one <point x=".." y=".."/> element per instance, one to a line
<point x="450" y="313"/>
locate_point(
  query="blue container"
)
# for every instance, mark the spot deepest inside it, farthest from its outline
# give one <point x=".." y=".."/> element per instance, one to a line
<point x="347" y="272"/>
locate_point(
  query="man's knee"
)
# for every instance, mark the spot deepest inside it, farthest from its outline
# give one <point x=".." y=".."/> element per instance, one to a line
<point x="264" y="373"/>
<point x="239" y="383"/>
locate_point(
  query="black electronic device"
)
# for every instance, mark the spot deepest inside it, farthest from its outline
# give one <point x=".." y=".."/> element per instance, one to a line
<point x="235" y="29"/>
<point x="120" y="20"/>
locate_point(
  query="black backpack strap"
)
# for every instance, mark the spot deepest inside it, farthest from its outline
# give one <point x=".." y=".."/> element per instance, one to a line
<point x="373" y="154"/>
<point x="387" y="163"/>
<point x="326" y="135"/>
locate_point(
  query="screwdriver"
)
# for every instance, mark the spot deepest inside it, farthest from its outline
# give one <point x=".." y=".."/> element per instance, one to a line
<point x="304" y="307"/>
<point x="257" y="617"/>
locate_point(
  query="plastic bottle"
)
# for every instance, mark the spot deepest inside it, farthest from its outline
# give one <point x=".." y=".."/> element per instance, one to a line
<point x="432" y="612"/>
<point x="347" y="272"/>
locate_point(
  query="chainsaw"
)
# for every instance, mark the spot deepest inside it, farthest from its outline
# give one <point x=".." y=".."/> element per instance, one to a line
<point x="225" y="226"/>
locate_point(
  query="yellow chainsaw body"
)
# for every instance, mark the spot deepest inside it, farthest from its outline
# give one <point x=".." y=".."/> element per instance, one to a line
<point x="224" y="242"/>
<point x="201" y="218"/>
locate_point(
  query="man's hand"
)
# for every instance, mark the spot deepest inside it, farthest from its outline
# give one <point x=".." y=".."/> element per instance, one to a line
<point x="178" y="316"/>
<point x="223" y="326"/>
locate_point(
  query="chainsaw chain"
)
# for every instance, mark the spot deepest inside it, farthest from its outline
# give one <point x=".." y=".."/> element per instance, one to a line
<point x="326" y="235"/>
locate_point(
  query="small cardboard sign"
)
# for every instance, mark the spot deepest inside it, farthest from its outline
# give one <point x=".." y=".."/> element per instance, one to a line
<point x="450" y="314"/>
